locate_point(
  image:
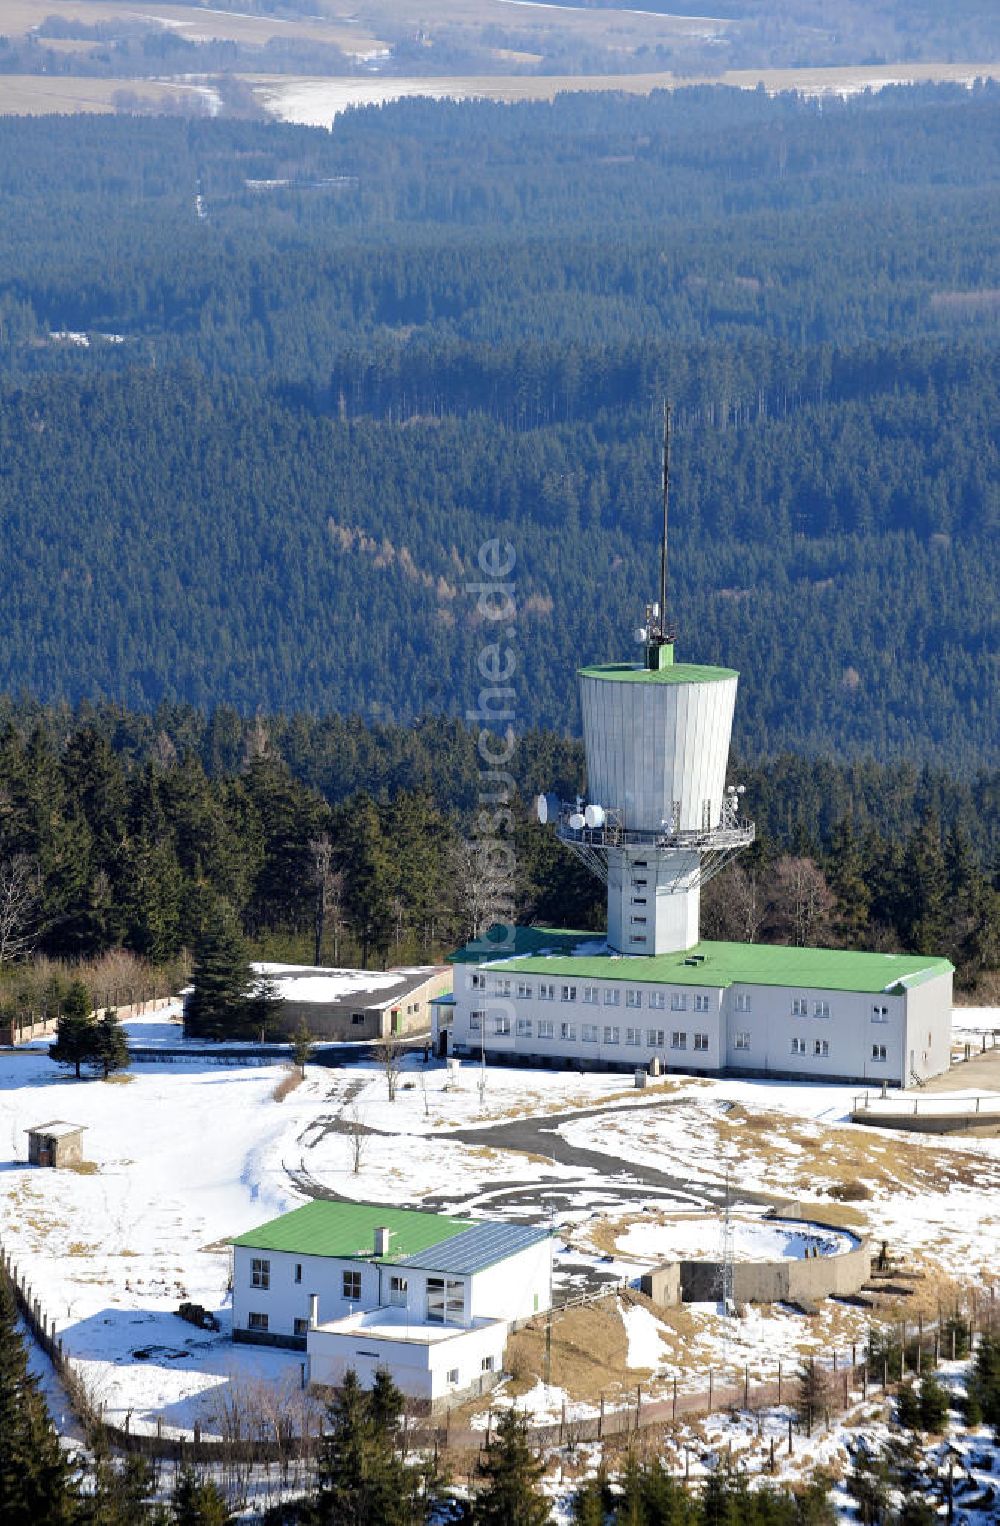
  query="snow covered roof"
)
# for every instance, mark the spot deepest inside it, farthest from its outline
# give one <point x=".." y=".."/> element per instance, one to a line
<point x="57" y="1129"/>
<point x="370" y="988"/>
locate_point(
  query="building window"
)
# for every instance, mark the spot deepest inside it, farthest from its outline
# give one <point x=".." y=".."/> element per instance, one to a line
<point x="569" y="993"/>
<point x="638" y="921"/>
<point x="821" y="1009"/>
<point x="880" y="1014"/>
<point x="357" y="1018"/>
<point x="633" y="1036"/>
<point x="742" y="1002"/>
<point x="523" y="989"/>
<point x="300" y="1326"/>
<point x="476" y="1021"/>
<point x="352" y="1287"/>
<point x="821" y="1049"/>
<point x="260" y="1273"/>
<point x="546" y="1029"/>
<point x="701" y="1004"/>
<point x="656" y="1038"/>
<point x="590" y="995"/>
<point x="501" y="987"/>
<point x="612" y="996"/>
<point x="641" y="884"/>
<point x="701" y="1041"/>
<point x="568" y="1031"/>
<point x="398" y="1287"/>
<point x="657" y="1000"/>
<point x="611" y="1035"/>
<point x="589" y="1033"/>
<point x="633" y="998"/>
<point x="798" y="1046"/>
<point x="800" y="1007"/>
<point x="546" y="991"/>
<point x="879" y="1053"/>
<point x="298" y="1271"/>
<point x="742" y="1040"/>
<point x="488" y="1363"/>
<point x="678" y="1002"/>
<point x="453" y="1376"/>
<point x="445" y="1301"/>
<point x="638" y="900"/>
<point x="524" y="1027"/>
<point x="678" y="1040"/>
<point x="257" y="1322"/>
<point x="478" y="981"/>
<point x="637" y="937"/>
<point x="501" y="1025"/>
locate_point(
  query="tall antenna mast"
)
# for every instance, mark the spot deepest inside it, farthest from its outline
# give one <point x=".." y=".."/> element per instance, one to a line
<point x="664" y="636"/>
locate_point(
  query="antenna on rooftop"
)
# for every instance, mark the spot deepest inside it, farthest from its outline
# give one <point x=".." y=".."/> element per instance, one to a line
<point x="666" y="506"/>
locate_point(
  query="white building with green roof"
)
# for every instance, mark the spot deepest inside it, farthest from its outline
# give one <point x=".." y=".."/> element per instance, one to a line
<point x="659" y="821"/>
<point x="425" y="1296"/>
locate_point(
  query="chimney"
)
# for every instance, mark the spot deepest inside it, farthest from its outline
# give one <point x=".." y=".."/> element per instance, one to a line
<point x="382" y="1238"/>
<point x="313" y="1310"/>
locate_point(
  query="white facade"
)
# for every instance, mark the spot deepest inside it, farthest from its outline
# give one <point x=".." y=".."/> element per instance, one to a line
<point x="892" y="1035"/>
<point x="431" y="1363"/>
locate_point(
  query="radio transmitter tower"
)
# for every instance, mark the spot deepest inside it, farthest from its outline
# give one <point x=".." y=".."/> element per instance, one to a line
<point x="659" y="820"/>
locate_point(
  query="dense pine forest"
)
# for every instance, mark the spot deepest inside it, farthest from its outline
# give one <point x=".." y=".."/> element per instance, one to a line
<point x="265" y="390"/>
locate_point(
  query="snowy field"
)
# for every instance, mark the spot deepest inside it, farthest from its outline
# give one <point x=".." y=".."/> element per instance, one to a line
<point x="188" y="1153"/>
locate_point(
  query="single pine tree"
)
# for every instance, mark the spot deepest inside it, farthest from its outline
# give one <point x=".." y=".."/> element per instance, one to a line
<point x="110" y="1050"/>
<point x="510" y="1473"/>
<point x="198" y="1502"/>
<point x="75" y="1029"/>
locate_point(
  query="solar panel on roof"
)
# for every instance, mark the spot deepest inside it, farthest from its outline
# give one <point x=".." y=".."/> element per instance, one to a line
<point x="473" y="1250"/>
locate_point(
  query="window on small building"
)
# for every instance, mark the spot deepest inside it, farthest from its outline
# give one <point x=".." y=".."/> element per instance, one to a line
<point x="567" y="1031"/>
<point x="260" y="1273"/>
<point x="357" y="1019"/>
<point x="633" y="998"/>
<point x="478" y="981"/>
<point x="821" y="1009"/>
<point x="523" y="989"/>
<point x="821" y="1049"/>
<point x="678" y="1040"/>
<point x="352" y="1287"/>
<point x="678" y="1002"/>
<point x="501" y="988"/>
<point x="298" y="1271"/>
<point x="879" y="1053"/>
<point x="798" y="1046"/>
<point x="453" y="1376"/>
<point x="742" y="1039"/>
<point x="546" y="991"/>
<point x="588" y="1033"/>
<point x="501" y="1025"/>
<point x="476" y="1021"/>
<point x="742" y="1001"/>
<point x="800" y="1007"/>
<point x="524" y="1027"/>
<point x="657" y="1000"/>
<point x="880" y="1014"/>
<point x="300" y="1327"/>
<point x="445" y="1301"/>
<point x="590" y="996"/>
<point x="610" y="1035"/>
<point x="257" y="1322"/>
<point x="546" y="1030"/>
<point x="701" y="1041"/>
<point x="569" y="993"/>
<point x="612" y="996"/>
<point x="397" y="1291"/>
<point x="701" y="1004"/>
<point x="489" y="1363"/>
<point x="633" y="1036"/>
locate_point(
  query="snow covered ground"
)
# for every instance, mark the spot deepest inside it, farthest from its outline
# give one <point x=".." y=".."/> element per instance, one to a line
<point x="190" y="1153"/>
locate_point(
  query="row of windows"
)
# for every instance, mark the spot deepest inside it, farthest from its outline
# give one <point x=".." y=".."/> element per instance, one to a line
<point x="655" y="1000"/>
<point x="260" y="1277"/>
<point x="590" y="1033"/>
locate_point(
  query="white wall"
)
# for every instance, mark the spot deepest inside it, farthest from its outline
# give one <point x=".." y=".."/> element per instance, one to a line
<point x="287" y="1300"/>
<point x="928" y="1027"/>
<point x="420" y="1369"/>
<point x="516" y="1288"/>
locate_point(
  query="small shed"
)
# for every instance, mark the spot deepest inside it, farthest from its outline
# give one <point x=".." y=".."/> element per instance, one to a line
<point x="55" y="1144"/>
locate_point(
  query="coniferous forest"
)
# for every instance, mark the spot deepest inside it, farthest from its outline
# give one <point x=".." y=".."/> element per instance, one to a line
<point x="265" y="391"/>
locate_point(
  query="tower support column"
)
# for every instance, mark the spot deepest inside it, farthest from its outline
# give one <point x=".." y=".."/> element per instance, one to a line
<point x="654" y="899"/>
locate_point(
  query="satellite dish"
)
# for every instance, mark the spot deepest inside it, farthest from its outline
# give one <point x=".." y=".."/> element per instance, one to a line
<point x="594" y="816"/>
<point x="577" y="822"/>
<point x="642" y="634"/>
<point x="547" y="808"/>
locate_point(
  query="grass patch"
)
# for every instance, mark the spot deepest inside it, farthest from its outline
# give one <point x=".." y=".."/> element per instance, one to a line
<point x="83" y="1167"/>
<point x="287" y="1085"/>
<point x="119" y="1078"/>
<point x="80" y="1248"/>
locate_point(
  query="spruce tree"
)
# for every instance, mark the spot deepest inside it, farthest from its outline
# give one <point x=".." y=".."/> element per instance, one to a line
<point x="511" y="1473"/>
<point x="35" y="1480"/>
<point x="362" y="1476"/>
<point x="198" y="1502"/>
<point x="222" y="1003"/>
<point x="109" y="1050"/>
<point x="74" y="1043"/>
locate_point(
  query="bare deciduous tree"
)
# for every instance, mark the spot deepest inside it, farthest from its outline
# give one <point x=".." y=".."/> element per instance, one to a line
<point x="20" y="892"/>
<point x="358" y="1136"/>
<point x="732" y="906"/>
<point x="801" y="904"/>
<point x="390" y="1054"/>
<point x="323" y="877"/>
<point x="482" y="880"/>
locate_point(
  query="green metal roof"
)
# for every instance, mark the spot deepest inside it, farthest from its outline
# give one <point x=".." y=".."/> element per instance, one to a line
<point x="347" y="1231"/>
<point x="502" y="941"/>
<point x="718" y="965"/>
<point x="673" y="673"/>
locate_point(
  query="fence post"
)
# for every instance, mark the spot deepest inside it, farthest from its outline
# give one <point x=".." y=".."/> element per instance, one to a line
<point x="710" y="1376"/>
<point x="779" y="1382"/>
<point x="674" y="1410"/>
<point x="600" y="1418"/>
<point x="746" y="1386"/>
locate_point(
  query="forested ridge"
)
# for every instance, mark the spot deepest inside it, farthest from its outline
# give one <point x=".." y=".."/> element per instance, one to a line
<point x="251" y="444"/>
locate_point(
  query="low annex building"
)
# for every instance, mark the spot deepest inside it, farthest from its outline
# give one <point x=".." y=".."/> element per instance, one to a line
<point x="342" y="1005"/>
<point x="427" y="1297"/>
<point x="565" y="998"/>
<point x="56" y="1144"/>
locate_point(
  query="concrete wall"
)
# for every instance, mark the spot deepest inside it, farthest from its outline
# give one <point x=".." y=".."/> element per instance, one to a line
<point x="59" y="1150"/>
<point x="663" y="1285"/>
<point x="806" y="1280"/>
<point x="335" y="1022"/>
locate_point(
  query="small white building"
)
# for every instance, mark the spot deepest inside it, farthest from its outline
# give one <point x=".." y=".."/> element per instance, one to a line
<point x="427" y="1297"/>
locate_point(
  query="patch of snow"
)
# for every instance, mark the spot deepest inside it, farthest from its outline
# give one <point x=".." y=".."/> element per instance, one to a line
<point x="645" y="1339"/>
<point x="753" y="1240"/>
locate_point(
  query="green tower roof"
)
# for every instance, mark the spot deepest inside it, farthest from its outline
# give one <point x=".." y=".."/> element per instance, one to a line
<point x="673" y="673"/>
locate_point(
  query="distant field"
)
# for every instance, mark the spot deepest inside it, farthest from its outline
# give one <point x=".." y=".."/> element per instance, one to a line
<point x="316" y="102"/>
<point x="38" y="95"/>
<point x="601" y="25"/>
<point x="197" y="24"/>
